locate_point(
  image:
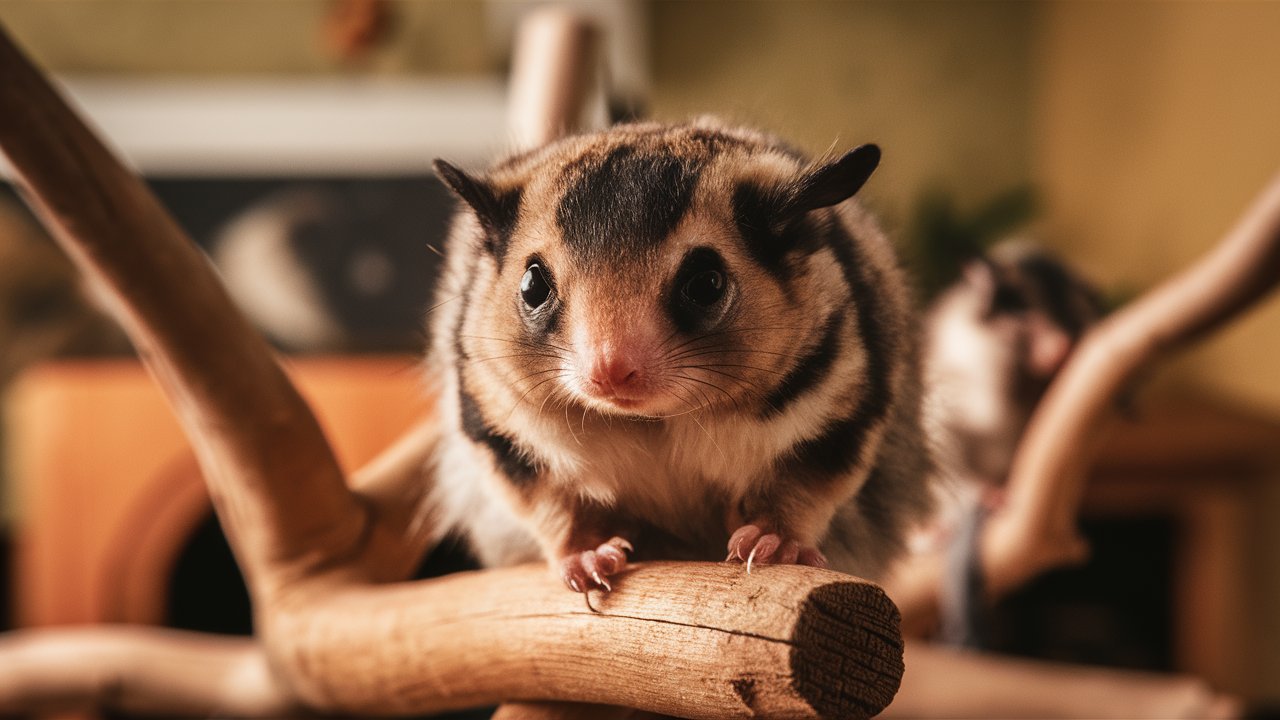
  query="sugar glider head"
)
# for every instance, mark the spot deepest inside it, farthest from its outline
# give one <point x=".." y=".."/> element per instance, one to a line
<point x="649" y="270"/>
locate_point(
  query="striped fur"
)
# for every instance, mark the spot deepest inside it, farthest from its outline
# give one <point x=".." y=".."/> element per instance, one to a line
<point x="798" y="402"/>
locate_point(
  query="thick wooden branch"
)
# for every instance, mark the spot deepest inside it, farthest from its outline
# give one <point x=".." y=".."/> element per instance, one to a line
<point x="137" y="670"/>
<point x="260" y="448"/>
<point x="697" y="640"/>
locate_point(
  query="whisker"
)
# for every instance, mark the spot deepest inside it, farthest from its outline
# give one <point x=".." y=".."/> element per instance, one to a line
<point x="438" y="305"/>
<point x="535" y="386"/>
<point x="569" y="425"/>
<point x="515" y="355"/>
<point x="518" y="342"/>
<point x="692" y="407"/>
<point x="731" y="376"/>
<point x="747" y="387"/>
<point x="711" y="350"/>
<point x="714" y="444"/>
<point x="732" y="365"/>
<point x="728" y="331"/>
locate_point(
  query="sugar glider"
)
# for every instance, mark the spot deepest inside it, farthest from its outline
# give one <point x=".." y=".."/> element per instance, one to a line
<point x="673" y="341"/>
<point x="993" y="341"/>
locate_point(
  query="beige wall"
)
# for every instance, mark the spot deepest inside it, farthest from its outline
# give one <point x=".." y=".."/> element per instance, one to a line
<point x="1155" y="124"/>
<point x="230" y="37"/>
<point x="942" y="86"/>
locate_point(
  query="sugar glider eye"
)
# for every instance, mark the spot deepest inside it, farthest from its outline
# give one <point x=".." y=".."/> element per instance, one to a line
<point x="704" y="289"/>
<point x="535" y="288"/>
<point x="698" y="298"/>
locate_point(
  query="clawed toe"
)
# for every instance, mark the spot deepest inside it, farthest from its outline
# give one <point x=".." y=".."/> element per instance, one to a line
<point x="591" y="569"/>
<point x="750" y="544"/>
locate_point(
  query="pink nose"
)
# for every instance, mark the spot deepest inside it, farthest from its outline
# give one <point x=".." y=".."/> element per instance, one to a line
<point x="613" y="371"/>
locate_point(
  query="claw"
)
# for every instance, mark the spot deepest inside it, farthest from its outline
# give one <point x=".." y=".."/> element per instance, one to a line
<point x="589" y="569"/>
<point x="745" y="535"/>
<point x="595" y="575"/>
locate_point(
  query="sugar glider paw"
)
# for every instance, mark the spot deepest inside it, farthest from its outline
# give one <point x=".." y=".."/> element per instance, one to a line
<point x="591" y="569"/>
<point x="752" y="544"/>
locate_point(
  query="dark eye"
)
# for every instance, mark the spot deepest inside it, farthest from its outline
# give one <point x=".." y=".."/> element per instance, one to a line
<point x="704" y="288"/>
<point x="534" y="287"/>
<point x="1008" y="299"/>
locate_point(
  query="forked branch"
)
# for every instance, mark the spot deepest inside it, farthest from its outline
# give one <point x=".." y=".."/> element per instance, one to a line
<point x="695" y="640"/>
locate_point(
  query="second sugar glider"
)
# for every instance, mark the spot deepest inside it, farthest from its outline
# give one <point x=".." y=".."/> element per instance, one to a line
<point x="992" y="343"/>
<point x="673" y="341"/>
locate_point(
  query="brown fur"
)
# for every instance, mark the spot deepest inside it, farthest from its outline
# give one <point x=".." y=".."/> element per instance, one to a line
<point x="705" y="453"/>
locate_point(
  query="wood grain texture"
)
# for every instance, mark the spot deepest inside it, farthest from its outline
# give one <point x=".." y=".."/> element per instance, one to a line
<point x="697" y="640"/>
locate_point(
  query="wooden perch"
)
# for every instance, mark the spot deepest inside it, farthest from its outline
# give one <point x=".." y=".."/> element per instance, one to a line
<point x="695" y="640"/>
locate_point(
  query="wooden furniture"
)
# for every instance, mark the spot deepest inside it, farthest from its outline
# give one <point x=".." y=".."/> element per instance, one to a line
<point x="110" y="490"/>
<point x="1212" y="471"/>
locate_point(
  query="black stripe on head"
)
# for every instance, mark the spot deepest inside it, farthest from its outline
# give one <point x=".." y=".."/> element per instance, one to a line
<point x="837" y="448"/>
<point x="1069" y="302"/>
<point x="812" y="369"/>
<point x="754" y="212"/>
<point x="770" y="236"/>
<point x="627" y="202"/>
<point x="513" y="463"/>
<point x="774" y="222"/>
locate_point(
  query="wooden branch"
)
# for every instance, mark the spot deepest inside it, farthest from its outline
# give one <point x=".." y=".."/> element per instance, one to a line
<point x="260" y="448"/>
<point x="1037" y="530"/>
<point x="696" y="640"/>
<point x="137" y="670"/>
<point x="951" y="683"/>
<point x="554" y="70"/>
<point x="393" y="488"/>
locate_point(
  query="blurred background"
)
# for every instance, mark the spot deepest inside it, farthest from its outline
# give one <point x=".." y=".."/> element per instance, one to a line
<point x="293" y="140"/>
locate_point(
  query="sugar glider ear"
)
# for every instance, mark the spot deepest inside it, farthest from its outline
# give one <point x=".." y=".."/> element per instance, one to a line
<point x="496" y="210"/>
<point x="834" y="182"/>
